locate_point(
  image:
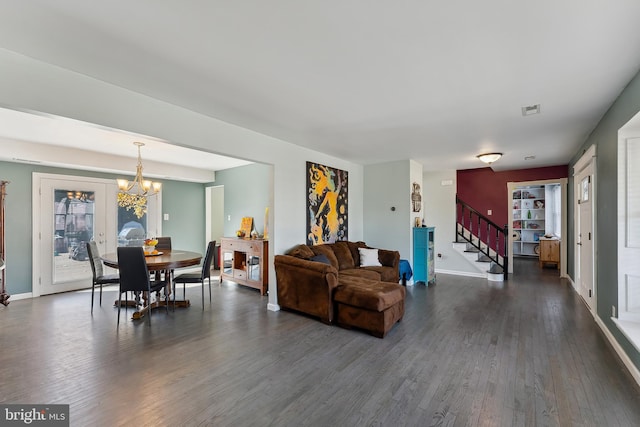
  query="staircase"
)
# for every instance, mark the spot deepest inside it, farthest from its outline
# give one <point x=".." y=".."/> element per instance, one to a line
<point x="482" y="242"/>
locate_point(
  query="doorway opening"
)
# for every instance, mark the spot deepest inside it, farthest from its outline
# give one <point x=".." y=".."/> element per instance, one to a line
<point x="538" y="222"/>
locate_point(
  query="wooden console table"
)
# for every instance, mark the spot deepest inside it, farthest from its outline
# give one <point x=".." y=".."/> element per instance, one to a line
<point x="244" y="261"/>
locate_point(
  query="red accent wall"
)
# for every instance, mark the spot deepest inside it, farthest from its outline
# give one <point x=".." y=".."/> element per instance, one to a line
<point x="484" y="189"/>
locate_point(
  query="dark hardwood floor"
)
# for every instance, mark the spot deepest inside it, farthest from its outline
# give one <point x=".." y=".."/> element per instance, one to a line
<point x="467" y="353"/>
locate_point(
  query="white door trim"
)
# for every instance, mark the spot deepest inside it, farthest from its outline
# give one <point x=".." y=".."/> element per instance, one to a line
<point x="587" y="159"/>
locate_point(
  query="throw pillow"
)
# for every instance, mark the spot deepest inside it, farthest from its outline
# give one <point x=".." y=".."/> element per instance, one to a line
<point x="369" y="257"/>
<point x="320" y="258"/>
<point x="301" y="251"/>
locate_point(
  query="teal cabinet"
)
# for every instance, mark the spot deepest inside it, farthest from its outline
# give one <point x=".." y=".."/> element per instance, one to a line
<point x="423" y="256"/>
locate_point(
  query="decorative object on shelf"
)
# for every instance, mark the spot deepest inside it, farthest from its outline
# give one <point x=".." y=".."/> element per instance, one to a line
<point x="539" y="204"/>
<point x="265" y="234"/>
<point x="246" y="226"/>
<point x="489" y="158"/>
<point x="418" y="222"/>
<point x="537" y="236"/>
<point x="416" y="198"/>
<point x="327" y="204"/>
<point x="517" y="224"/>
<point x="133" y="195"/>
<point x="533" y="225"/>
<point x="516" y="235"/>
<point x="529" y="215"/>
<point x="536" y="249"/>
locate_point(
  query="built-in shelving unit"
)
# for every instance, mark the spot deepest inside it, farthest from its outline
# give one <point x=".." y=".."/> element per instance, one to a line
<point x="528" y="220"/>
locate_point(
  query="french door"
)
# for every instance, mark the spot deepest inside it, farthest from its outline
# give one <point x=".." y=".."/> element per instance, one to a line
<point x="68" y="212"/>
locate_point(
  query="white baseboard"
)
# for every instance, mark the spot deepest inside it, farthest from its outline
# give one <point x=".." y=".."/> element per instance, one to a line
<point x="462" y="273"/>
<point x="16" y="297"/>
<point x="635" y="373"/>
<point x="273" y="307"/>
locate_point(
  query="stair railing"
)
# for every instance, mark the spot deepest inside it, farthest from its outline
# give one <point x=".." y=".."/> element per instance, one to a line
<point x="483" y="234"/>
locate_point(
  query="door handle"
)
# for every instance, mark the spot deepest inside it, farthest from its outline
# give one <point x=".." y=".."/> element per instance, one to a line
<point x="579" y="244"/>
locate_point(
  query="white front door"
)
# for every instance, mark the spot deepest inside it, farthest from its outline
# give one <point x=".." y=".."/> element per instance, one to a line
<point x="585" y="271"/>
<point x="68" y="213"/>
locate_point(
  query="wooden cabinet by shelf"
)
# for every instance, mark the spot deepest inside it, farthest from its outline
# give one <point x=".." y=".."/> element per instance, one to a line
<point x="244" y="261"/>
<point x="550" y="252"/>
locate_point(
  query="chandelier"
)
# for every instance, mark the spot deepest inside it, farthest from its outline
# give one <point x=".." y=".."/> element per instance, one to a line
<point x="133" y="194"/>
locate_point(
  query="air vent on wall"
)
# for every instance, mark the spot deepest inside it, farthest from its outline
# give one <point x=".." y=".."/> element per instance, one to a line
<point x="530" y="110"/>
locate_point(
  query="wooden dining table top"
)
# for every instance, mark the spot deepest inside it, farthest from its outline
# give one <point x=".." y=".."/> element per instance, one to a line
<point x="166" y="260"/>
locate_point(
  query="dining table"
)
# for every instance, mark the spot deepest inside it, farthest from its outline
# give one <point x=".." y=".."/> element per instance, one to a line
<point x="166" y="260"/>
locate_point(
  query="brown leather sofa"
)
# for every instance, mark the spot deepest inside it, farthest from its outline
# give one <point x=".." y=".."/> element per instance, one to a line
<point x="328" y="282"/>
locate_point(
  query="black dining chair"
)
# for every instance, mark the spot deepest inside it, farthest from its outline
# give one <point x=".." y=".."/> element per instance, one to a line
<point x="205" y="273"/>
<point x="163" y="243"/>
<point x="99" y="278"/>
<point x="134" y="276"/>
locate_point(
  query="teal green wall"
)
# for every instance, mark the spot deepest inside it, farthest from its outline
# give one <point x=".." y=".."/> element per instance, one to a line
<point x="183" y="201"/>
<point x="246" y="193"/>
<point x="605" y="138"/>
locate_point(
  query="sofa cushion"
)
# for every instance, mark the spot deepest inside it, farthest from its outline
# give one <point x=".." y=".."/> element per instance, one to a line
<point x="327" y="251"/>
<point x="301" y="251"/>
<point x="353" y="247"/>
<point x="369" y="294"/>
<point x="362" y="272"/>
<point x="320" y="258"/>
<point x="343" y="254"/>
<point x="387" y="274"/>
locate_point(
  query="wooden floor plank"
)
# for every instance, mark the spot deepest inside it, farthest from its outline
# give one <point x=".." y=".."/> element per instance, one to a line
<point x="467" y="353"/>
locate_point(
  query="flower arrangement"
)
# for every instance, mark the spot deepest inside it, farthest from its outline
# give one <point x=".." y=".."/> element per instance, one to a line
<point x="150" y="246"/>
<point x="136" y="202"/>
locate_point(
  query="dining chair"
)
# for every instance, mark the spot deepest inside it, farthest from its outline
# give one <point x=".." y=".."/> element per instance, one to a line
<point x="99" y="278"/>
<point x="205" y="273"/>
<point x="134" y="276"/>
<point x="163" y="243"/>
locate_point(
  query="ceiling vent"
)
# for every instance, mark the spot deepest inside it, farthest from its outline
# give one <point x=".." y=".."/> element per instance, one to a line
<point x="530" y="110"/>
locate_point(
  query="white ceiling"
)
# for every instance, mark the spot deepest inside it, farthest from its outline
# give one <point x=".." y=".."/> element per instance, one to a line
<point x="368" y="81"/>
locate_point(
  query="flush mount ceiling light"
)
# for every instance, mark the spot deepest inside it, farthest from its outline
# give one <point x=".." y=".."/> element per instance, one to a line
<point x="489" y="158"/>
<point x="530" y="110"/>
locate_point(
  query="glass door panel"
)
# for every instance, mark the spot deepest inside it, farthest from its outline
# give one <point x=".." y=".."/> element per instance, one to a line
<point x="74" y="226"/>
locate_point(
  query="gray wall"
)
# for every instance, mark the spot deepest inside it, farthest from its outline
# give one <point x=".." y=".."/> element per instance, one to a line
<point x="183" y="201"/>
<point x="387" y="185"/>
<point x="605" y="137"/>
<point x="246" y="193"/>
<point x="440" y="212"/>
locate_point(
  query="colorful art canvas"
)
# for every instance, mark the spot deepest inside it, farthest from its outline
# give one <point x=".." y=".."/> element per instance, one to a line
<point x="327" y="204"/>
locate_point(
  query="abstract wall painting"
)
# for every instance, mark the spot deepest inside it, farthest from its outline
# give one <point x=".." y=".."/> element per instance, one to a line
<point x="327" y="204"/>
